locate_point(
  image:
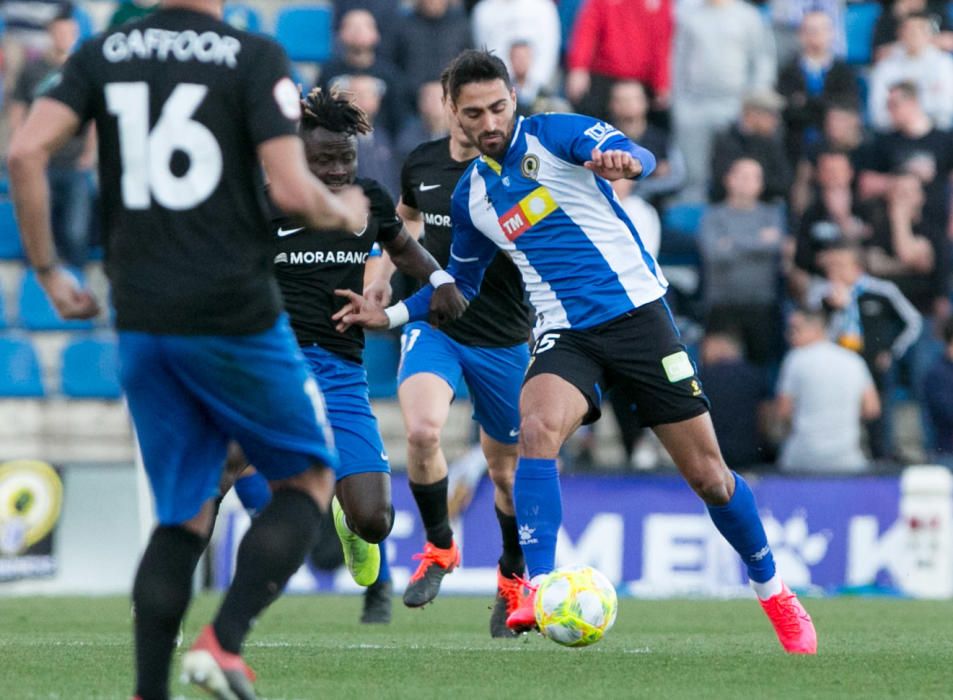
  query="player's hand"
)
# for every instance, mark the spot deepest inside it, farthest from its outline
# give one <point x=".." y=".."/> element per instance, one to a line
<point x="613" y="164"/>
<point x="355" y="209"/>
<point x="378" y="292"/>
<point x="446" y="304"/>
<point x="69" y="299"/>
<point x="358" y="311"/>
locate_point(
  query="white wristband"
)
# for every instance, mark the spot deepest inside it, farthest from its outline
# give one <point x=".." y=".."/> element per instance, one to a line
<point x="397" y="315"/>
<point x="440" y="277"/>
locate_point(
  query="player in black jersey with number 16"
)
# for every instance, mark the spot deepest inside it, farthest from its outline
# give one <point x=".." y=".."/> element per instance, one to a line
<point x="186" y="109"/>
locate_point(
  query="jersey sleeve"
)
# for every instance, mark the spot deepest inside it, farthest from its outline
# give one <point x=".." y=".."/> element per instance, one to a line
<point x="75" y="87"/>
<point x="407" y="190"/>
<point x="470" y="254"/>
<point x="272" y="102"/>
<point x="573" y="136"/>
<point x="384" y="212"/>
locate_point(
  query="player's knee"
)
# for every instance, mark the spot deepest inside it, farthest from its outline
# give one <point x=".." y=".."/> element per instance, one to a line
<point x="424" y="437"/>
<point x="373" y="524"/>
<point x="539" y="437"/>
<point x="712" y="484"/>
<point x="503" y="477"/>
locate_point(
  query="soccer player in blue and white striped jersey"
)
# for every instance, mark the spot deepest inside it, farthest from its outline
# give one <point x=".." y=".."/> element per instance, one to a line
<point x="540" y="192"/>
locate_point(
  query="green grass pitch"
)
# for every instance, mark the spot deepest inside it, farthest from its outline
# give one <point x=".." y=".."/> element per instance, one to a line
<point x="313" y="647"/>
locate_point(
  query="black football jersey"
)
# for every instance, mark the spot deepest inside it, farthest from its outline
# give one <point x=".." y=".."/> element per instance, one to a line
<point x="311" y="264"/>
<point x="498" y="316"/>
<point x="181" y="100"/>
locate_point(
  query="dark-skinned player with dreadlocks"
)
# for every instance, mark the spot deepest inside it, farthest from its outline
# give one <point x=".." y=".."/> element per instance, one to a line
<point x="309" y="266"/>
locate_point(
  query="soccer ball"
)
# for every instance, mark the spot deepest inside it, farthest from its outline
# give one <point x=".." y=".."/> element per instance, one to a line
<point x="575" y="607"/>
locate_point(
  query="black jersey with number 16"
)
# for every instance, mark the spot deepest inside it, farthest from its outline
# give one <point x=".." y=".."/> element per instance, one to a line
<point x="498" y="316"/>
<point x="181" y="100"/>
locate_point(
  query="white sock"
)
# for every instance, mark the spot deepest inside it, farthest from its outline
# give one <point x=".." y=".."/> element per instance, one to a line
<point x="538" y="579"/>
<point x="769" y="588"/>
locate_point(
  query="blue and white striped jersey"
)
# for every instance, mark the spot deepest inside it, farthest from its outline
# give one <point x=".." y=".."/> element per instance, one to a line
<point x="581" y="259"/>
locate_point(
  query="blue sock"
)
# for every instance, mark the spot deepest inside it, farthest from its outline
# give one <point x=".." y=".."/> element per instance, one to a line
<point x="384" y="575"/>
<point x="539" y="512"/>
<point x="738" y="521"/>
<point x="254" y="492"/>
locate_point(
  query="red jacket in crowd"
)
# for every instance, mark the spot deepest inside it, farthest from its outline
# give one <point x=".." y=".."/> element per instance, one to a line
<point x="624" y="39"/>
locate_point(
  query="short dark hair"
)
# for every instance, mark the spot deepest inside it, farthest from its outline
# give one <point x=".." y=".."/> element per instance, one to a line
<point x="333" y="111"/>
<point x="907" y="88"/>
<point x="475" y="66"/>
<point x="813" y="314"/>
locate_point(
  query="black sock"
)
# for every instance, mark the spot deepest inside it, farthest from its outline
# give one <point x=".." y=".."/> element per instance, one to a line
<point x="161" y="594"/>
<point x="511" y="562"/>
<point x="271" y="551"/>
<point x="432" y="503"/>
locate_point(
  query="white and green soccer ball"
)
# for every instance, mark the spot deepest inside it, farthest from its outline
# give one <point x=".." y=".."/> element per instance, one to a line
<point x="575" y="606"/>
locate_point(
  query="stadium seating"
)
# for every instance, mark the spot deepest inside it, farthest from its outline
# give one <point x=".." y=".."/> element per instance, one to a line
<point x="91" y="369"/>
<point x="381" y="357"/>
<point x="84" y="21"/>
<point x="10" y="247"/>
<point x="305" y="32"/>
<point x="859" y="22"/>
<point x="679" y="229"/>
<point x="37" y="314"/>
<point x="19" y="369"/>
<point x="243" y="17"/>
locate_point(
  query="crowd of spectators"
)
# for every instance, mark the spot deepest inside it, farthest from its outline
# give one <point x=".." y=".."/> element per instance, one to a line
<point x="824" y="248"/>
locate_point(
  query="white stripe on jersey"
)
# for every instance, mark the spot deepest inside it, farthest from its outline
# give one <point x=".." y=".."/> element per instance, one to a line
<point x="550" y="312"/>
<point x="574" y="189"/>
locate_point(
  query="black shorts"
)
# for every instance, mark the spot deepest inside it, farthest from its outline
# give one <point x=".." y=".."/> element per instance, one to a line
<point x="638" y="353"/>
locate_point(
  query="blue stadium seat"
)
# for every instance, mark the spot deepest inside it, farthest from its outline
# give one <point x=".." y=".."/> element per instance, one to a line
<point x="683" y="218"/>
<point x="84" y="21"/>
<point x="19" y="369"/>
<point x="859" y="22"/>
<point x="381" y="357"/>
<point x="305" y="32"/>
<point x="91" y="369"/>
<point x="37" y="314"/>
<point x="10" y="247"/>
<point x="243" y="17"/>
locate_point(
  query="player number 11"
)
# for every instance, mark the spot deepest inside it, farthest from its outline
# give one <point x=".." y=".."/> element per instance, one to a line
<point x="147" y="155"/>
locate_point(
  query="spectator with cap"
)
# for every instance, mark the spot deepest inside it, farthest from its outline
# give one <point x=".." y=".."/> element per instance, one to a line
<point x="756" y="135"/>
<point x="824" y="393"/>
<point x="812" y="80"/>
<point x="723" y="51"/>
<point x="915" y="59"/>
<point x="614" y="41"/>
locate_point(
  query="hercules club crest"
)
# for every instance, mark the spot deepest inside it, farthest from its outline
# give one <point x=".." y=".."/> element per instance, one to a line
<point x="530" y="166"/>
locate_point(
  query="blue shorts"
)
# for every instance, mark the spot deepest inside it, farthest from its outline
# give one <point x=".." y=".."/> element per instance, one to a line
<point x="190" y="395"/>
<point x="356" y="435"/>
<point x="494" y="376"/>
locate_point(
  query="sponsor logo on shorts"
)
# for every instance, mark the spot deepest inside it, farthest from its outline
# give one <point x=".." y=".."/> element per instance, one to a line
<point x="529" y="211"/>
<point x="678" y="366"/>
<point x="515" y="432"/>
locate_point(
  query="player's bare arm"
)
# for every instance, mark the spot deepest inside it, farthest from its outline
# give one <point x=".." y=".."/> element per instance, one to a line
<point x="49" y="125"/>
<point x="379" y="273"/>
<point x="614" y="164"/>
<point x="297" y="192"/>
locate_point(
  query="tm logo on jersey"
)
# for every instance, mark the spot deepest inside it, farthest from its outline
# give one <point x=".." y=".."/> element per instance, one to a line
<point x="529" y="211"/>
